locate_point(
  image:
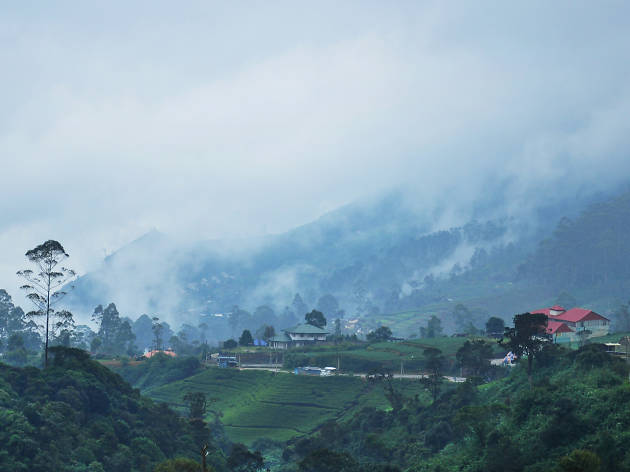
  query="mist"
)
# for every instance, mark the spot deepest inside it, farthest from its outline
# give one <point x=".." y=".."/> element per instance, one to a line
<point x="219" y="122"/>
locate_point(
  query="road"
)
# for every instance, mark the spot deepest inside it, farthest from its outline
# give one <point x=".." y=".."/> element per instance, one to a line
<point x="274" y="368"/>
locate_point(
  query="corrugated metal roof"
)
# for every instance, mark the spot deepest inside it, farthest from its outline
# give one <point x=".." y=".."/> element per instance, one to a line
<point x="557" y="327"/>
<point x="575" y="315"/>
<point x="280" y="338"/>
<point x="306" y="329"/>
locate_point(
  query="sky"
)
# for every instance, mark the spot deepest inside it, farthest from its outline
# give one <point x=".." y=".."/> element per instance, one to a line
<point x="221" y="119"/>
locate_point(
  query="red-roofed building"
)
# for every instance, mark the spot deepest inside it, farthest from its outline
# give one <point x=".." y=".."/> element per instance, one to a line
<point x="564" y="324"/>
<point x="557" y="329"/>
<point x="553" y="311"/>
<point x="583" y="319"/>
<point x="556" y="310"/>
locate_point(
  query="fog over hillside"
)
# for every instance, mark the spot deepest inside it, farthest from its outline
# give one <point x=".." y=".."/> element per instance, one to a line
<point x="373" y="257"/>
<point x="288" y="147"/>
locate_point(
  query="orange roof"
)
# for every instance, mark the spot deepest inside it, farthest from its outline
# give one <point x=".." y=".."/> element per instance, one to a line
<point x="168" y="352"/>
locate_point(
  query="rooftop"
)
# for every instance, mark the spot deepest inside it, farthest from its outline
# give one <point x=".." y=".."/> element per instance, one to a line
<point x="554" y="327"/>
<point x="280" y="338"/>
<point x="575" y="315"/>
<point x="306" y="329"/>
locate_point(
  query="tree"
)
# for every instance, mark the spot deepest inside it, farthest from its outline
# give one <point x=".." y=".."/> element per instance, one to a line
<point x="203" y="327"/>
<point x="580" y="460"/>
<point x="246" y="338"/>
<point x="143" y="331"/>
<point x="463" y="318"/>
<point x="315" y="318"/>
<point x="264" y="314"/>
<point x="433" y="328"/>
<point x="298" y="305"/>
<point x="13" y="321"/>
<point x="230" y="344"/>
<point x="287" y="318"/>
<point x="495" y="327"/>
<point x="328" y="305"/>
<point x="180" y="464"/>
<point x="82" y="337"/>
<point x="44" y="287"/>
<point x="16" y="352"/>
<point x="325" y="460"/>
<point x="238" y="317"/>
<point x="242" y="459"/>
<point x="474" y="357"/>
<point x="124" y="341"/>
<point x="338" y="328"/>
<point x="527" y="337"/>
<point x="157" y="329"/>
<point x="268" y="333"/>
<point x="115" y="334"/>
<point x="197" y="404"/>
<point x="381" y="334"/>
<point x="434" y="364"/>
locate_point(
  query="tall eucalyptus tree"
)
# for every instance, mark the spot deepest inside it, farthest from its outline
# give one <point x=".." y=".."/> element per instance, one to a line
<point x="44" y="287"/>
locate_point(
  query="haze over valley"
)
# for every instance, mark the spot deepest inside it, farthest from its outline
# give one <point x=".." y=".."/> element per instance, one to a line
<point x="332" y="236"/>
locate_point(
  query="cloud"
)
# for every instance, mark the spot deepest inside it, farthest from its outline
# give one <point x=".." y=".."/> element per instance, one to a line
<point x="218" y="121"/>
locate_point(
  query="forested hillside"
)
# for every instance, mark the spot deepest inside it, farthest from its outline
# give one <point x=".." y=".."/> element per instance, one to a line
<point x="590" y="252"/>
<point x="78" y="416"/>
<point x="574" y="417"/>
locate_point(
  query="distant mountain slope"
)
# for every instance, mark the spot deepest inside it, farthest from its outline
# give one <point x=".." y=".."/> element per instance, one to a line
<point x="589" y="252"/>
<point x="379" y="256"/>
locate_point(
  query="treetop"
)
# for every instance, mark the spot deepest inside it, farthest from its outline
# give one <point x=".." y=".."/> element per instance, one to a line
<point x="50" y="248"/>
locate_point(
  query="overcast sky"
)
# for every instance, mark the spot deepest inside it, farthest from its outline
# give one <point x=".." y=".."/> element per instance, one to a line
<point x="214" y="119"/>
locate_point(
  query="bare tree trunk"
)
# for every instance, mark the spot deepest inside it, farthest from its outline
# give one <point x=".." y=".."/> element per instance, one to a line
<point x="47" y="323"/>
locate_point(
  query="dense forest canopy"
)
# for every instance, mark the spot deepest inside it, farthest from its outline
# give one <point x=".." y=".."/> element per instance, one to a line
<point x="78" y="416"/>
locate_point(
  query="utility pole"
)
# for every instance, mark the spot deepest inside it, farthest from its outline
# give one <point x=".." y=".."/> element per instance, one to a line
<point x="204" y="453"/>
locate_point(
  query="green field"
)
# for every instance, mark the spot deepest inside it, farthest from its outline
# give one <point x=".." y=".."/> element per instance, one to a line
<point x="385" y="355"/>
<point x="278" y="406"/>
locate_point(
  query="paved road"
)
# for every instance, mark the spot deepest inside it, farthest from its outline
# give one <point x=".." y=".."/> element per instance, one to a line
<point x="396" y="376"/>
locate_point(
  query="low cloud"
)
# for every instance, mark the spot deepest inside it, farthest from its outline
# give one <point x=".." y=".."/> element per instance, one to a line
<point x="215" y="122"/>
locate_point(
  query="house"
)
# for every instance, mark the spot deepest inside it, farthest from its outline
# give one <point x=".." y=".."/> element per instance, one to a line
<point x="564" y="325"/>
<point x="299" y="335"/>
<point x="552" y="311"/>
<point x="280" y="341"/>
<point x="559" y="331"/>
<point x="583" y="319"/>
<point x="168" y="352"/>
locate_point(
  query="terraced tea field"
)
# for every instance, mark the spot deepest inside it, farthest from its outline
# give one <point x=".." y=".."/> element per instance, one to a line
<point x="384" y="355"/>
<point x="278" y="406"/>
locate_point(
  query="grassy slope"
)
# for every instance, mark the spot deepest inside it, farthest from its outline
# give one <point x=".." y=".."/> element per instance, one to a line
<point x="363" y="358"/>
<point x="257" y="404"/>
